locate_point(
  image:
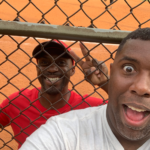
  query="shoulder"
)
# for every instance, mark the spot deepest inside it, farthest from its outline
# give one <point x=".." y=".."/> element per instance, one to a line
<point x="85" y="100"/>
<point x="93" y="101"/>
<point x="69" y="124"/>
<point x="10" y="98"/>
<point x="80" y="114"/>
<point x="85" y="97"/>
<point x="29" y="92"/>
<point x="19" y="96"/>
<point x="65" y="130"/>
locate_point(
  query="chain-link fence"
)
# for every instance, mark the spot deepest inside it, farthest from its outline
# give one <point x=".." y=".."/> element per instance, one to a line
<point x="104" y="14"/>
<point x="19" y="74"/>
<point x="24" y="111"/>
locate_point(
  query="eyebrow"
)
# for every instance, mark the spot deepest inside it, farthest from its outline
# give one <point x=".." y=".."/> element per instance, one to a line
<point x="129" y="59"/>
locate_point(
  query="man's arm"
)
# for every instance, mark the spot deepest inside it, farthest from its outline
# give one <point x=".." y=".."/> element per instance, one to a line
<point x="4" y="112"/>
<point x="96" y="72"/>
<point x="3" y="119"/>
<point x="1" y="126"/>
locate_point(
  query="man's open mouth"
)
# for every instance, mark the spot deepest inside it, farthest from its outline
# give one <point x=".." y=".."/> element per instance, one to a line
<point x="136" y="115"/>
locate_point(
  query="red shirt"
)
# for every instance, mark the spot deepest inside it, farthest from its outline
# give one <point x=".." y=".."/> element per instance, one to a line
<point x="24" y="112"/>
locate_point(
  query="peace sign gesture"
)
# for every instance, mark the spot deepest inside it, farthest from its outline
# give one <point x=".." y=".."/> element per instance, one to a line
<point x="95" y="71"/>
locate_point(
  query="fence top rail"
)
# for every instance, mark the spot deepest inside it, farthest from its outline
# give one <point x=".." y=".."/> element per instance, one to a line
<point x="62" y="32"/>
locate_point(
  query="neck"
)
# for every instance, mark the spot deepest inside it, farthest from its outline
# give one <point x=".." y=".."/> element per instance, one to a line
<point x="54" y="101"/>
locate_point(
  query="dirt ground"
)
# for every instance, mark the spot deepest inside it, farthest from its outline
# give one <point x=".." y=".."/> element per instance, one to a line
<point x="93" y="8"/>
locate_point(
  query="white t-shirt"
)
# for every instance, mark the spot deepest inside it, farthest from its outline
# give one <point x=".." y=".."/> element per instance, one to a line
<point x="85" y="129"/>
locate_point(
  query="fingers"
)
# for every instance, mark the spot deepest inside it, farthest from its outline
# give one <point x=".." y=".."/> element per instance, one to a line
<point x="84" y="52"/>
<point x="92" y="70"/>
<point x="95" y="71"/>
<point x="100" y="65"/>
<point x="91" y="77"/>
<point x="100" y="68"/>
<point x="95" y="62"/>
<point x="76" y="57"/>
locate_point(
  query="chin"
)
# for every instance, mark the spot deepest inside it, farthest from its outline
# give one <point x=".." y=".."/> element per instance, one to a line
<point x="53" y="92"/>
<point x="132" y="134"/>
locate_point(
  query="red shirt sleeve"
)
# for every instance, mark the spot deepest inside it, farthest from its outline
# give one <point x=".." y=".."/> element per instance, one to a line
<point x="81" y="102"/>
<point x="6" y="109"/>
<point x="93" y="101"/>
<point x="4" y="117"/>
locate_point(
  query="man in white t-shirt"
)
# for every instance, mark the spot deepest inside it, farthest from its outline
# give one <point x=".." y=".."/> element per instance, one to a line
<point x="123" y="124"/>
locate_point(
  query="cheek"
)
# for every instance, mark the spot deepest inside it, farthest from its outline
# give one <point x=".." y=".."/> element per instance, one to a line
<point x="119" y="85"/>
<point x="68" y="74"/>
<point x="39" y="71"/>
<point x="67" y="70"/>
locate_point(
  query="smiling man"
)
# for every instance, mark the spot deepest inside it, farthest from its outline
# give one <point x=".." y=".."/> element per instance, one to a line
<point x="27" y="109"/>
<point x="54" y="70"/>
<point x="123" y="124"/>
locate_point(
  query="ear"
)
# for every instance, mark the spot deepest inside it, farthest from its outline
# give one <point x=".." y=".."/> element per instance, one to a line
<point x="72" y="71"/>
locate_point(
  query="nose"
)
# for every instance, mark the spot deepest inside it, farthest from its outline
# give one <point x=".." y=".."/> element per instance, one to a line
<point x="141" y="85"/>
<point x="52" y="68"/>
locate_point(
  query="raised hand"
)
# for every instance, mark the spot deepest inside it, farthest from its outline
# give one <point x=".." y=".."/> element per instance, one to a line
<point x="95" y="71"/>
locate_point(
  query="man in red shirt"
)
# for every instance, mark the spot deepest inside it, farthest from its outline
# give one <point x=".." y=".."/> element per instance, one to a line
<point x="27" y="110"/>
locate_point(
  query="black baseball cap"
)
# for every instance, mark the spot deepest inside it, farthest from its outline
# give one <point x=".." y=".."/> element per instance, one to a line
<point x="51" y="46"/>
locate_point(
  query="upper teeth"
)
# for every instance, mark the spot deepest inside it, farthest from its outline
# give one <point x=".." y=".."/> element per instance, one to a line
<point x="136" y="109"/>
<point x="52" y="79"/>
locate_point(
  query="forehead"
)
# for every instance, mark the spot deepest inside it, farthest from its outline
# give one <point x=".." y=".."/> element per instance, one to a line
<point x="136" y="49"/>
<point x="132" y="45"/>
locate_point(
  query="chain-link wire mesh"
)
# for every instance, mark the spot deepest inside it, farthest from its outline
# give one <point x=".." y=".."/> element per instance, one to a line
<point x="18" y="68"/>
<point x="19" y="72"/>
<point x="104" y="14"/>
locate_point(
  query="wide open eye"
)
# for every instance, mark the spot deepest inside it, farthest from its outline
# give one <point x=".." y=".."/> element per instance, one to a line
<point x="128" y="69"/>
